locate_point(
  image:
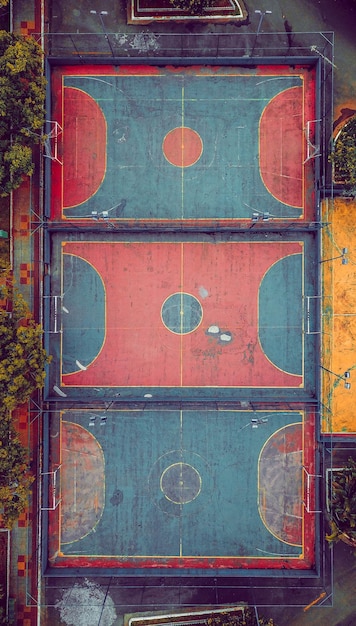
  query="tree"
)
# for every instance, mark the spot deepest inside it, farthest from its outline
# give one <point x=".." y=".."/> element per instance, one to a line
<point x="15" y="477"/>
<point x="22" y="357"/>
<point x="22" y="114"/>
<point x="344" y="157"/>
<point x="22" y="370"/>
<point x="342" y="504"/>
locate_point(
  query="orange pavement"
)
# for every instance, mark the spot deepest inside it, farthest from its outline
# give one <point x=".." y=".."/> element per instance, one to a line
<point x="339" y="316"/>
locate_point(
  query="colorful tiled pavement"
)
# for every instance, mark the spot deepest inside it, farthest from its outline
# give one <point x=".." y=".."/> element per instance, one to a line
<point x="27" y="27"/>
<point x="343" y="345"/>
<point x="23" y="566"/>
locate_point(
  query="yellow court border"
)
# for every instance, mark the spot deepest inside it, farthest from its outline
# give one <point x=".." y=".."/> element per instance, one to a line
<point x="180" y="76"/>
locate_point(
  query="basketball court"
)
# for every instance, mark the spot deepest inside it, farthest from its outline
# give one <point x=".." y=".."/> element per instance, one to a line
<point x="180" y="318"/>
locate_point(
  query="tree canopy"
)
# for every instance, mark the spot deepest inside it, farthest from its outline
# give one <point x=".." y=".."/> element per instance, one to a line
<point x="15" y="476"/>
<point x="22" y="370"/>
<point x="22" y="114"/>
<point x="22" y="357"/>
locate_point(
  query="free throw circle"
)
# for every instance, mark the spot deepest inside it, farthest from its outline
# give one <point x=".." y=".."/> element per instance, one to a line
<point x="182" y="146"/>
<point x="181" y="483"/>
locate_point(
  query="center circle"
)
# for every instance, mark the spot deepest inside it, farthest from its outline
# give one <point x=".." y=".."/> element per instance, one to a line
<point x="181" y="483"/>
<point x="181" y="313"/>
<point x="182" y="146"/>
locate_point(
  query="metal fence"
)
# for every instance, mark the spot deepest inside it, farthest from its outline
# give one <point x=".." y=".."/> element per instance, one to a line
<point x="219" y="47"/>
<point x="83" y="47"/>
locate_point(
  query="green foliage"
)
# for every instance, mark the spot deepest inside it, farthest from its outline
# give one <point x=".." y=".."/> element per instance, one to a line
<point x="15" y="478"/>
<point x="22" y="357"/>
<point x="22" y="363"/>
<point x="344" y="157"/>
<point x="3" y="620"/>
<point x="243" y="617"/>
<point x="343" y="503"/>
<point x="22" y="115"/>
<point x="195" y="7"/>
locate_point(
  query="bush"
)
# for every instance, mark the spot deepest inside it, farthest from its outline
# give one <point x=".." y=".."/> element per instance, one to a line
<point x="195" y="7"/>
<point x="243" y="617"/>
<point x="344" y="157"/>
<point x="343" y="503"/>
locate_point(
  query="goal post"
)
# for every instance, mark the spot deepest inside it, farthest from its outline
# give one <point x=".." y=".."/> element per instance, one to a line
<point x="51" y="140"/>
<point x="310" y="490"/>
<point x="51" y="482"/>
<point x="313" y="148"/>
<point x="54" y="309"/>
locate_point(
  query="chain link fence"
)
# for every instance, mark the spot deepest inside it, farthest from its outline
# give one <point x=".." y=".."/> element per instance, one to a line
<point x="83" y="47"/>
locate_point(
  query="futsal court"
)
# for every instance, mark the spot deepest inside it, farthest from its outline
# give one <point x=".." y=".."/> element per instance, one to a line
<point x="149" y="144"/>
<point x="181" y="428"/>
<point x="182" y="489"/>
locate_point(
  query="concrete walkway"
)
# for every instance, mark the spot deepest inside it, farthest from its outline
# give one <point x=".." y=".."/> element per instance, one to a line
<point x="23" y="567"/>
<point x="287" y="16"/>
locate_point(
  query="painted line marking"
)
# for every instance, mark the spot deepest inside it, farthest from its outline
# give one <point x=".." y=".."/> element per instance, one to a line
<point x="75" y="487"/>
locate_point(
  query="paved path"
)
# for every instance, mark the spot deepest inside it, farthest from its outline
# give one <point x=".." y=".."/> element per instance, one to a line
<point x="287" y="16"/>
